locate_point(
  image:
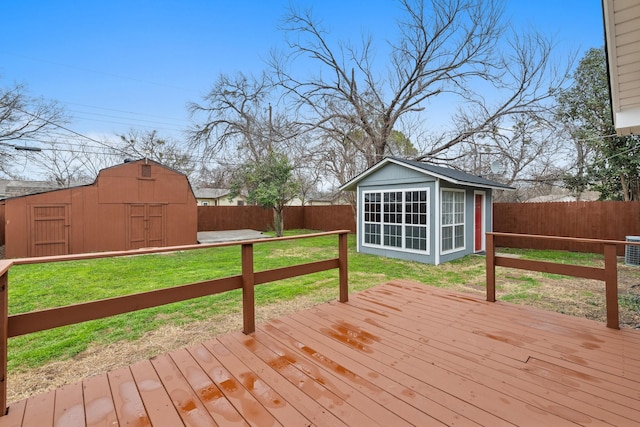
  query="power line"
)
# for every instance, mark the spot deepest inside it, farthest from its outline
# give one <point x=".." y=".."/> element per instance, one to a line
<point x="123" y="111"/>
<point x="114" y="117"/>
<point x="62" y="127"/>
<point x="135" y="124"/>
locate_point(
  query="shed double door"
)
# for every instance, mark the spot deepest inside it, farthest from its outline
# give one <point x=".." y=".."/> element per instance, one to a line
<point x="146" y="225"/>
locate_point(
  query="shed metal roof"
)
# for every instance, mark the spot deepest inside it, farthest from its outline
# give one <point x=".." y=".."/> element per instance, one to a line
<point x="450" y="175"/>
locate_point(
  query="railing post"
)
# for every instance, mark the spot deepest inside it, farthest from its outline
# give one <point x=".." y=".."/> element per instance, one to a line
<point x="248" y="283"/>
<point x="342" y="267"/>
<point x="491" y="268"/>
<point x="611" y="285"/>
<point x="4" y="332"/>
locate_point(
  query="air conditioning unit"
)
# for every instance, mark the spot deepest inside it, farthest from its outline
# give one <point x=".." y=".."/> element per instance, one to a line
<point x="632" y="252"/>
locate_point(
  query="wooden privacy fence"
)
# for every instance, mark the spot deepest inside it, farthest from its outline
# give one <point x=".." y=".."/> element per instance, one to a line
<point x="333" y="217"/>
<point x="26" y="323"/>
<point x="602" y="220"/>
<point x="2" y="224"/>
<point x="608" y="274"/>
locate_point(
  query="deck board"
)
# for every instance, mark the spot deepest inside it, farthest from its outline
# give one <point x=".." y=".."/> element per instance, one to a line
<point x="126" y="400"/>
<point x="39" y="410"/>
<point x="215" y="402"/>
<point x="99" y="409"/>
<point x="69" y="406"/>
<point x="245" y="347"/>
<point x="246" y="404"/>
<point x="190" y="408"/>
<point x="401" y="353"/>
<point x="15" y="416"/>
<point x="272" y="402"/>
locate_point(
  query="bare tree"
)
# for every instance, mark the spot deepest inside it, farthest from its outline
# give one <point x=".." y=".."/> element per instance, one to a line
<point x="23" y="118"/>
<point x="63" y="164"/>
<point x="454" y="47"/>
<point x="150" y="145"/>
<point x="235" y="119"/>
<point x="529" y="156"/>
<point x="236" y="124"/>
<point x="213" y="176"/>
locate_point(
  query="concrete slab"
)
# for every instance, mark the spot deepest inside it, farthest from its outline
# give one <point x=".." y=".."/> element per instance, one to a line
<point x="229" y="236"/>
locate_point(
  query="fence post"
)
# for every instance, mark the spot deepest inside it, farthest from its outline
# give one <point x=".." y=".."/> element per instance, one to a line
<point x="4" y="332"/>
<point x="491" y="268"/>
<point x="611" y="285"/>
<point x="342" y="266"/>
<point x="248" y="282"/>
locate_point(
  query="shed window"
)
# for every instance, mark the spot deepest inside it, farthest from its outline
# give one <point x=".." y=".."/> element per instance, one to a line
<point x="452" y="220"/>
<point x="396" y="219"/>
<point x="145" y="171"/>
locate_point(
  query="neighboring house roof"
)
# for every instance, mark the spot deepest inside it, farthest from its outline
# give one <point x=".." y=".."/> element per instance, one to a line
<point x="622" y="44"/>
<point x="450" y="175"/>
<point x="336" y="197"/>
<point x="564" y="196"/>
<point x="14" y="188"/>
<point x="210" y="193"/>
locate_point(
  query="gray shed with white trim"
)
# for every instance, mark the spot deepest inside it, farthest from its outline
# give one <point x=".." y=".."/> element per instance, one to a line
<point x="422" y="212"/>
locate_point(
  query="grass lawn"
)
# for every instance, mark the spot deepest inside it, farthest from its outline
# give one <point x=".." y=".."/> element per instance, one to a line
<point x="38" y="286"/>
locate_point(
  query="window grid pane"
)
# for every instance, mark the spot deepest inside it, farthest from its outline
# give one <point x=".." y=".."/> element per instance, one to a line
<point x="397" y="219"/>
<point x="372" y="234"/>
<point x="452" y="217"/>
<point x="447" y="239"/>
<point x="393" y="207"/>
<point x="393" y="236"/>
<point x="372" y="218"/>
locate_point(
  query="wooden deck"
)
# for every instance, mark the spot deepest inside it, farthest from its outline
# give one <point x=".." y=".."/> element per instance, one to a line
<point x="398" y="354"/>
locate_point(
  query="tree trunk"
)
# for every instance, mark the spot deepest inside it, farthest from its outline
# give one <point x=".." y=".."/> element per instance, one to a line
<point x="278" y="222"/>
<point x="625" y="188"/>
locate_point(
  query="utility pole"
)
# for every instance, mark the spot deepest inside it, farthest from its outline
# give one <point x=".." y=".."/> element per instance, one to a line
<point x="270" y="128"/>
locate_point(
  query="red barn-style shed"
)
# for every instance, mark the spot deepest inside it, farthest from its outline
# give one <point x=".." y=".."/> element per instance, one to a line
<point x="129" y="206"/>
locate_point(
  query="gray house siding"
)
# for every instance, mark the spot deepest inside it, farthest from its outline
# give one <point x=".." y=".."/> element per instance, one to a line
<point x="393" y="174"/>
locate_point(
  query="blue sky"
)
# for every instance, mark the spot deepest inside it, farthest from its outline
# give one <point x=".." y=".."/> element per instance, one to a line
<point x="118" y="64"/>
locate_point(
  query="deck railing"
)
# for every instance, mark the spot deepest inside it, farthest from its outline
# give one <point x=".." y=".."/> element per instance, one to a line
<point x="26" y="323"/>
<point x="608" y="274"/>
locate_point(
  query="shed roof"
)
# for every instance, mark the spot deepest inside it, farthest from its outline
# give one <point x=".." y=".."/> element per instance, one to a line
<point x="118" y="165"/>
<point x="450" y="175"/>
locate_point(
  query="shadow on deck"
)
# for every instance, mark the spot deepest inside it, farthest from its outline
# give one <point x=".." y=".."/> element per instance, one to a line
<point x="397" y="354"/>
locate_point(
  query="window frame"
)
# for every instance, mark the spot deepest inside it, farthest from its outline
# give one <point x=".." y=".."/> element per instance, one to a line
<point x="453" y="225"/>
<point x="392" y="218"/>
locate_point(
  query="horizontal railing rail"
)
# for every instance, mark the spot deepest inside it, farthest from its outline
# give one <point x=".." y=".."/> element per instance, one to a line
<point x="608" y="274"/>
<point x="40" y="320"/>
